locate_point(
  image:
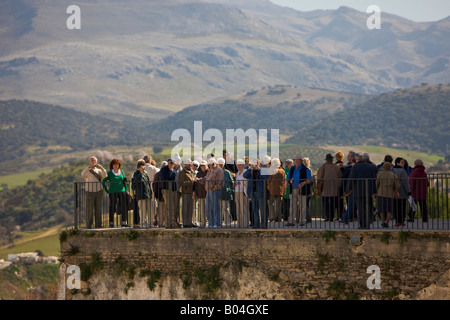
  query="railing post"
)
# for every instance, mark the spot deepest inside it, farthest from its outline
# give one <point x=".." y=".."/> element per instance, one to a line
<point x="75" y="211"/>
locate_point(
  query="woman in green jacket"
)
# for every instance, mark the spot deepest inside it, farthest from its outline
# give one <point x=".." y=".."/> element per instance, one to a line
<point x="117" y="189"/>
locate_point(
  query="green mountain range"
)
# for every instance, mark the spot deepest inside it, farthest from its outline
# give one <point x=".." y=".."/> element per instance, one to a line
<point x="414" y="119"/>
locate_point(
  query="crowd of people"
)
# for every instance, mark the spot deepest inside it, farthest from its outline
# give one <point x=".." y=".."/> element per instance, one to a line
<point x="218" y="191"/>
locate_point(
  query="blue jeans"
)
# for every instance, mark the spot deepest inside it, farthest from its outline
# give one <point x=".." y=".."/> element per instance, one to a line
<point x="349" y="212"/>
<point x="212" y="208"/>
<point x="257" y="206"/>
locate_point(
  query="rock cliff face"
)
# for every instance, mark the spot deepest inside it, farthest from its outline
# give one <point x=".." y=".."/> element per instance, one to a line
<point x="438" y="290"/>
<point x="264" y="265"/>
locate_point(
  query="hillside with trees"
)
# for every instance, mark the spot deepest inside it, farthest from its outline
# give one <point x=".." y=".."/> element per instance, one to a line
<point x="416" y="119"/>
<point x="29" y="126"/>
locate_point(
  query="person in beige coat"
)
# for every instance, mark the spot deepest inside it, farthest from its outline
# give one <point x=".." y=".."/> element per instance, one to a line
<point x="93" y="174"/>
<point x="328" y="181"/>
<point x="387" y="191"/>
<point x="276" y="184"/>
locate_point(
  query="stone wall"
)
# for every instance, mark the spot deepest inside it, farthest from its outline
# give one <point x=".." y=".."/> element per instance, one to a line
<point x="249" y="264"/>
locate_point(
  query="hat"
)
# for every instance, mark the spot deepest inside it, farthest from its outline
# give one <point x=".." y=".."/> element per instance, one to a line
<point x="204" y="163"/>
<point x="177" y="159"/>
<point x="212" y="160"/>
<point x="240" y="161"/>
<point x="298" y="156"/>
<point x="329" y="156"/>
<point x="168" y="160"/>
<point x="187" y="161"/>
<point x="195" y="163"/>
<point x="266" y="159"/>
<point x="221" y="161"/>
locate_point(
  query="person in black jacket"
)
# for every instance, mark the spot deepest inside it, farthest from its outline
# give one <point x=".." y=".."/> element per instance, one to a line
<point x="350" y="212"/>
<point x="140" y="185"/>
<point x="169" y="192"/>
<point x="362" y="184"/>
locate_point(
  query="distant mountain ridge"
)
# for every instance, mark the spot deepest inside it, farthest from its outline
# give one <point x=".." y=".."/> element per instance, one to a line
<point x="151" y="59"/>
<point x="286" y="108"/>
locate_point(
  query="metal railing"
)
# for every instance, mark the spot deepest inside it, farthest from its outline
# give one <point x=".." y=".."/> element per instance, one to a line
<point x="342" y="204"/>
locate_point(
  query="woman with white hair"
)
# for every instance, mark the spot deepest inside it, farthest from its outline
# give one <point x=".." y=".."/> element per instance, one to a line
<point x="240" y="194"/>
<point x="418" y="181"/>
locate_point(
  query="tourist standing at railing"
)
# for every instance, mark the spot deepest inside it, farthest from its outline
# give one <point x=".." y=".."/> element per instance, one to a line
<point x="406" y="167"/>
<point x="142" y="193"/>
<point x="186" y="179"/>
<point x="151" y="170"/>
<point x="300" y="179"/>
<point x="387" y="191"/>
<point x="418" y="181"/>
<point x="117" y="188"/>
<point x="250" y="207"/>
<point x="93" y="175"/>
<point x="177" y="168"/>
<point x="276" y="184"/>
<point x="309" y="191"/>
<point x="362" y="184"/>
<point x="227" y="194"/>
<point x="328" y="177"/>
<point x="200" y="193"/>
<point x="285" y="205"/>
<point x="404" y="191"/>
<point x="231" y="166"/>
<point x="387" y="158"/>
<point x="340" y="201"/>
<point x="169" y="192"/>
<point x="214" y="184"/>
<point x="366" y="158"/>
<point x="157" y="192"/>
<point x="240" y="193"/>
<point x="350" y="212"/>
<point x="256" y="190"/>
<point x="195" y="167"/>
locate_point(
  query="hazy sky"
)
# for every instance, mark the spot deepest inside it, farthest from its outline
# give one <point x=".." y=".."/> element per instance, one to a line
<point x="416" y="10"/>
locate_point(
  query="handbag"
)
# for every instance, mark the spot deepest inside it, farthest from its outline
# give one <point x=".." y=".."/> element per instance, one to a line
<point x="412" y="204"/>
<point x="128" y="199"/>
<point x="319" y="188"/>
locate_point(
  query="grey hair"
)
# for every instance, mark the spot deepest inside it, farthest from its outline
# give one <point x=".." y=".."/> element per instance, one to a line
<point x="306" y="161"/>
<point x="418" y="162"/>
<point x="288" y="162"/>
<point x="366" y="156"/>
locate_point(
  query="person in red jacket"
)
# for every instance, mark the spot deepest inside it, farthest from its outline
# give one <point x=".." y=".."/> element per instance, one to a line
<point x="418" y="180"/>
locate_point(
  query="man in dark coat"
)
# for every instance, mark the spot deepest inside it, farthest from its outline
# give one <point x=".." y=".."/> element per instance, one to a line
<point x="362" y="184"/>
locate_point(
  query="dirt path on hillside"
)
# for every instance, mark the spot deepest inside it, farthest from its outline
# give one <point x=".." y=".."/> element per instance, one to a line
<point x="47" y="233"/>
